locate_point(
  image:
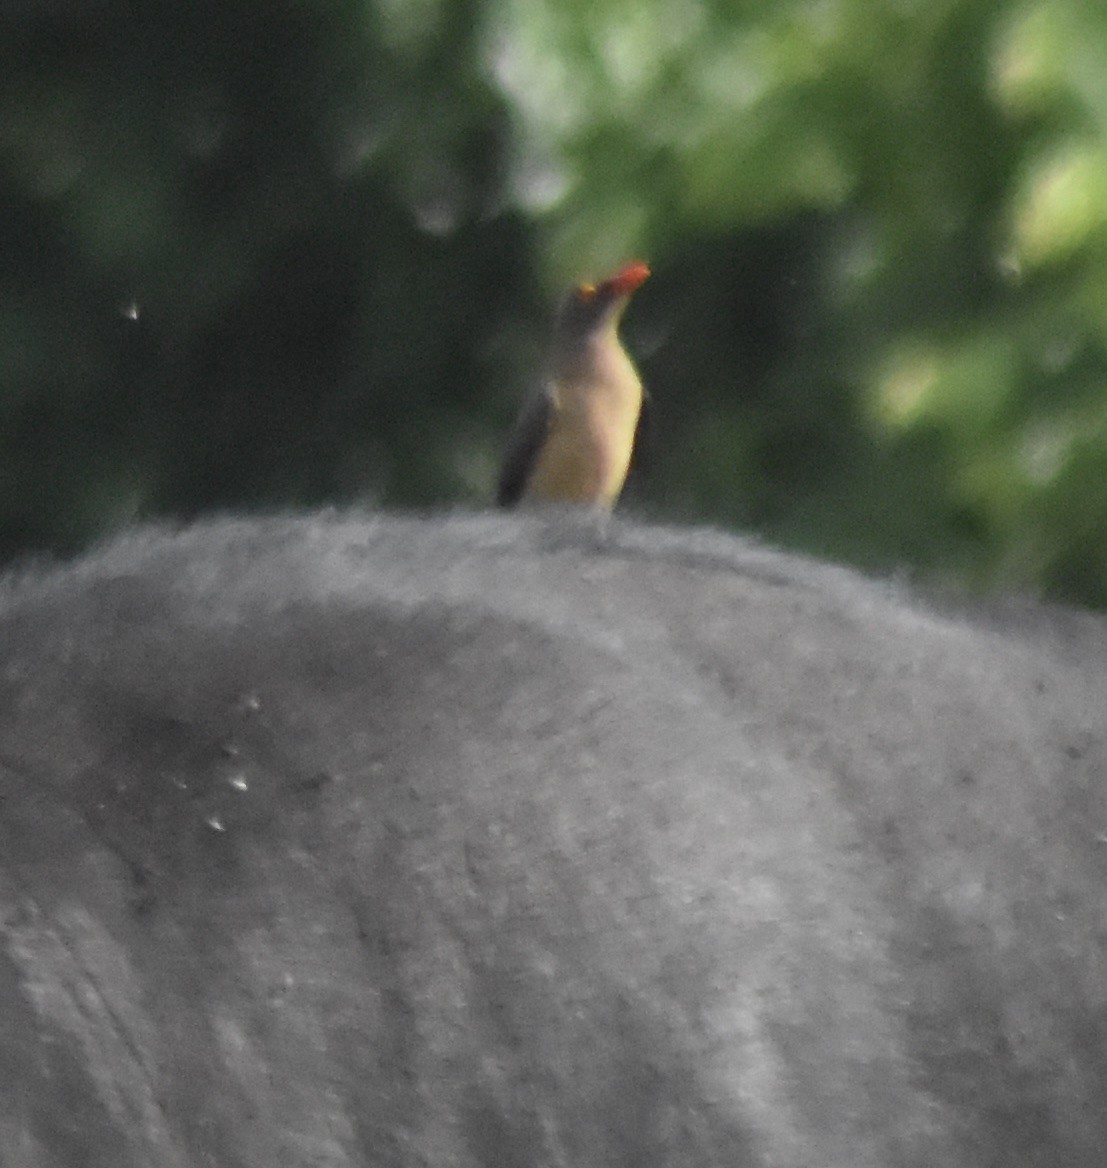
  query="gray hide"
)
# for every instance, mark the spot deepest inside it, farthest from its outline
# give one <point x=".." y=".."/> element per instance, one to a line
<point x="519" y="843"/>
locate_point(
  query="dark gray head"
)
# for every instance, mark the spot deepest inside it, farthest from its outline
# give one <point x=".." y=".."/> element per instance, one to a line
<point x="591" y="307"/>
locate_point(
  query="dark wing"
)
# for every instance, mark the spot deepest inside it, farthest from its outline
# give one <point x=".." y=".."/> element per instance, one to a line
<point x="523" y="445"/>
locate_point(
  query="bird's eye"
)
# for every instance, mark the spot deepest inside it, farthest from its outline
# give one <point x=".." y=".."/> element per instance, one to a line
<point x="586" y="292"/>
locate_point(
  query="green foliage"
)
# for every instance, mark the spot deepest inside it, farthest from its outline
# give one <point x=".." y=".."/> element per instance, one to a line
<point x="267" y="254"/>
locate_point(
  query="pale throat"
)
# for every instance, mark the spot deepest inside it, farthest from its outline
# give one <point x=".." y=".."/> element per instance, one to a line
<point x="600" y="378"/>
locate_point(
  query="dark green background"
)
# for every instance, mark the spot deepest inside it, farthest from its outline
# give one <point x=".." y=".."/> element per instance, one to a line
<point x="261" y="255"/>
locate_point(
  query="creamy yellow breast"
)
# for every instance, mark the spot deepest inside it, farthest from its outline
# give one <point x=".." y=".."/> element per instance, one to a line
<point x="587" y="452"/>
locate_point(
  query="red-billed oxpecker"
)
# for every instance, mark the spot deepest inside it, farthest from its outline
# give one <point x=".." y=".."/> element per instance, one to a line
<point x="574" y="436"/>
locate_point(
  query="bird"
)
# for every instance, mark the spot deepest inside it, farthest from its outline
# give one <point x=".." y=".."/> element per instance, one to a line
<point x="575" y="433"/>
